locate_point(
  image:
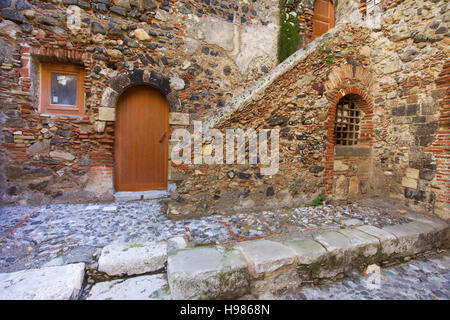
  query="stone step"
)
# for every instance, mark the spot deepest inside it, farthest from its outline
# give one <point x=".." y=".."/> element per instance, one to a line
<point x="215" y="272"/>
<point x="261" y="266"/>
<point x="120" y="259"/>
<point x="152" y="287"/>
<point x="50" y="283"/>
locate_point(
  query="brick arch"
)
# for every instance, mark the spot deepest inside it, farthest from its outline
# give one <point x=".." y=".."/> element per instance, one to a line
<point x="124" y="80"/>
<point x="347" y="80"/>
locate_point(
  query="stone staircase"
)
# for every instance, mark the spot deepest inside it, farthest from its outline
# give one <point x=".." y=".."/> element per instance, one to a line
<point x="249" y="269"/>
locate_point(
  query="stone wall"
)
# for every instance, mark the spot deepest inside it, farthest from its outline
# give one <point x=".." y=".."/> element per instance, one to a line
<point x="397" y="67"/>
<point x="199" y="53"/>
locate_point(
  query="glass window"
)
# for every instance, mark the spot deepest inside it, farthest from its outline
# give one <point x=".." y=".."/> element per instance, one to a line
<point x="63" y="89"/>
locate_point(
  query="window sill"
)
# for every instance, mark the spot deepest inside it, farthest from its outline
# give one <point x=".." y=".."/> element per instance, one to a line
<point x="62" y="115"/>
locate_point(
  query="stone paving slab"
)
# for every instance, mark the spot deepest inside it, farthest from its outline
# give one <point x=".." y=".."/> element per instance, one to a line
<point x="208" y="273"/>
<point x="387" y="240"/>
<point x="154" y="287"/>
<point x="132" y="258"/>
<point x="51" y="283"/>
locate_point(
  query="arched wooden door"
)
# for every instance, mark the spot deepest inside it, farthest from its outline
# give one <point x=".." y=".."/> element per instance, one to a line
<point x="323" y="18"/>
<point x="141" y="140"/>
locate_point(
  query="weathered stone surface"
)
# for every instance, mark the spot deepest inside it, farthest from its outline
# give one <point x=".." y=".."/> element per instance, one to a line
<point x="413" y="237"/>
<point x="208" y="273"/>
<point x="265" y="256"/>
<point x="106" y="114"/>
<point x="307" y="251"/>
<point x="109" y="97"/>
<point x="340" y="166"/>
<point x="97" y="28"/>
<point x="336" y="245"/>
<point x="39" y="147"/>
<point x="410" y="183"/>
<point x="176" y="83"/>
<point x="412" y="173"/>
<point x="257" y="42"/>
<point x="141" y="35"/>
<point x="152" y="287"/>
<point x="12" y="15"/>
<point x="61" y="155"/>
<point x="179" y="118"/>
<point x="213" y="31"/>
<point x="132" y="258"/>
<point x="51" y="283"/>
<point x="353" y="185"/>
<point x="387" y="240"/>
<point x="361" y="245"/>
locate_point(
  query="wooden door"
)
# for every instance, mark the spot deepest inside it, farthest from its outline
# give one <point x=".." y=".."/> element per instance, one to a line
<point x="323" y="18"/>
<point x="141" y="140"/>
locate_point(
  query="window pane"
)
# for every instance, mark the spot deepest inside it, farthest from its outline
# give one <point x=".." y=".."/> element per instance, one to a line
<point x="63" y="89"/>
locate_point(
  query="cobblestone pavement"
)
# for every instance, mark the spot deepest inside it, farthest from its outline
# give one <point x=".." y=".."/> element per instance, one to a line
<point x="427" y="279"/>
<point x="30" y="236"/>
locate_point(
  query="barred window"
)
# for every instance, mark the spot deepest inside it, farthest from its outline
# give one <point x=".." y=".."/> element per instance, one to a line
<point x="347" y="122"/>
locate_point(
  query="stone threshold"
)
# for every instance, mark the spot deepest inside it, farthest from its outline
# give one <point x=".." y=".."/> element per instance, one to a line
<point x="140" y="195"/>
<point x="255" y="268"/>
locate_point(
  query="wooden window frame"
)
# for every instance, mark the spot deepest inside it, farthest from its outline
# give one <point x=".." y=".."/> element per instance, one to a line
<point x="351" y="121"/>
<point x="46" y="105"/>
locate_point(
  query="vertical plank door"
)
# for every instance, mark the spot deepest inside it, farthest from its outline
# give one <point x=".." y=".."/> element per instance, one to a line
<point x="323" y="18"/>
<point x="141" y="140"/>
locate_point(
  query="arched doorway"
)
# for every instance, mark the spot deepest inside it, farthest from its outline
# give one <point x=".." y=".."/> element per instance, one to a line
<point x="323" y="18"/>
<point x="141" y="140"/>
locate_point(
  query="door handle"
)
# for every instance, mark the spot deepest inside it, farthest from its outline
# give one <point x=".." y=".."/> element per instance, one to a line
<point x="162" y="138"/>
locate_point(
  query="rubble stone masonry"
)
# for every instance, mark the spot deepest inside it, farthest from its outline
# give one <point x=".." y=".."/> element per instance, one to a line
<point x="391" y="57"/>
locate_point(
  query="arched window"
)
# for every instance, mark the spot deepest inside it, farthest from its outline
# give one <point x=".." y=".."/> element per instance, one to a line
<point x="348" y="117"/>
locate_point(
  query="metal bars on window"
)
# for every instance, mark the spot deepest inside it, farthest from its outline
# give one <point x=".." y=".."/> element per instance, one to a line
<point x="347" y="123"/>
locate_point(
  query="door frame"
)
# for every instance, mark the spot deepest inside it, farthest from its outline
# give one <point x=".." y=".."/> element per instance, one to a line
<point x="168" y="133"/>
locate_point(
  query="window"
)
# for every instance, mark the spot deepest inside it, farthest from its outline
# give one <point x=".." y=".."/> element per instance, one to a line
<point x="347" y="122"/>
<point x="62" y="89"/>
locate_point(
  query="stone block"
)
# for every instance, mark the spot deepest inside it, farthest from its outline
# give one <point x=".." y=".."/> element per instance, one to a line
<point x="387" y="240"/>
<point x="106" y="114"/>
<point x="362" y="246"/>
<point x="132" y="258"/>
<point x="179" y="118"/>
<point x="265" y="256"/>
<point x="409" y="183"/>
<point x="307" y="251"/>
<point x="336" y="245"/>
<point x="354" y="186"/>
<point x="412" y="173"/>
<point x="208" y="273"/>
<point x="50" y="283"/>
<point x="413" y="238"/>
<point x="311" y="256"/>
<point x="152" y="287"/>
<point x="61" y="156"/>
<point x="340" y="166"/>
<point x="109" y="97"/>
